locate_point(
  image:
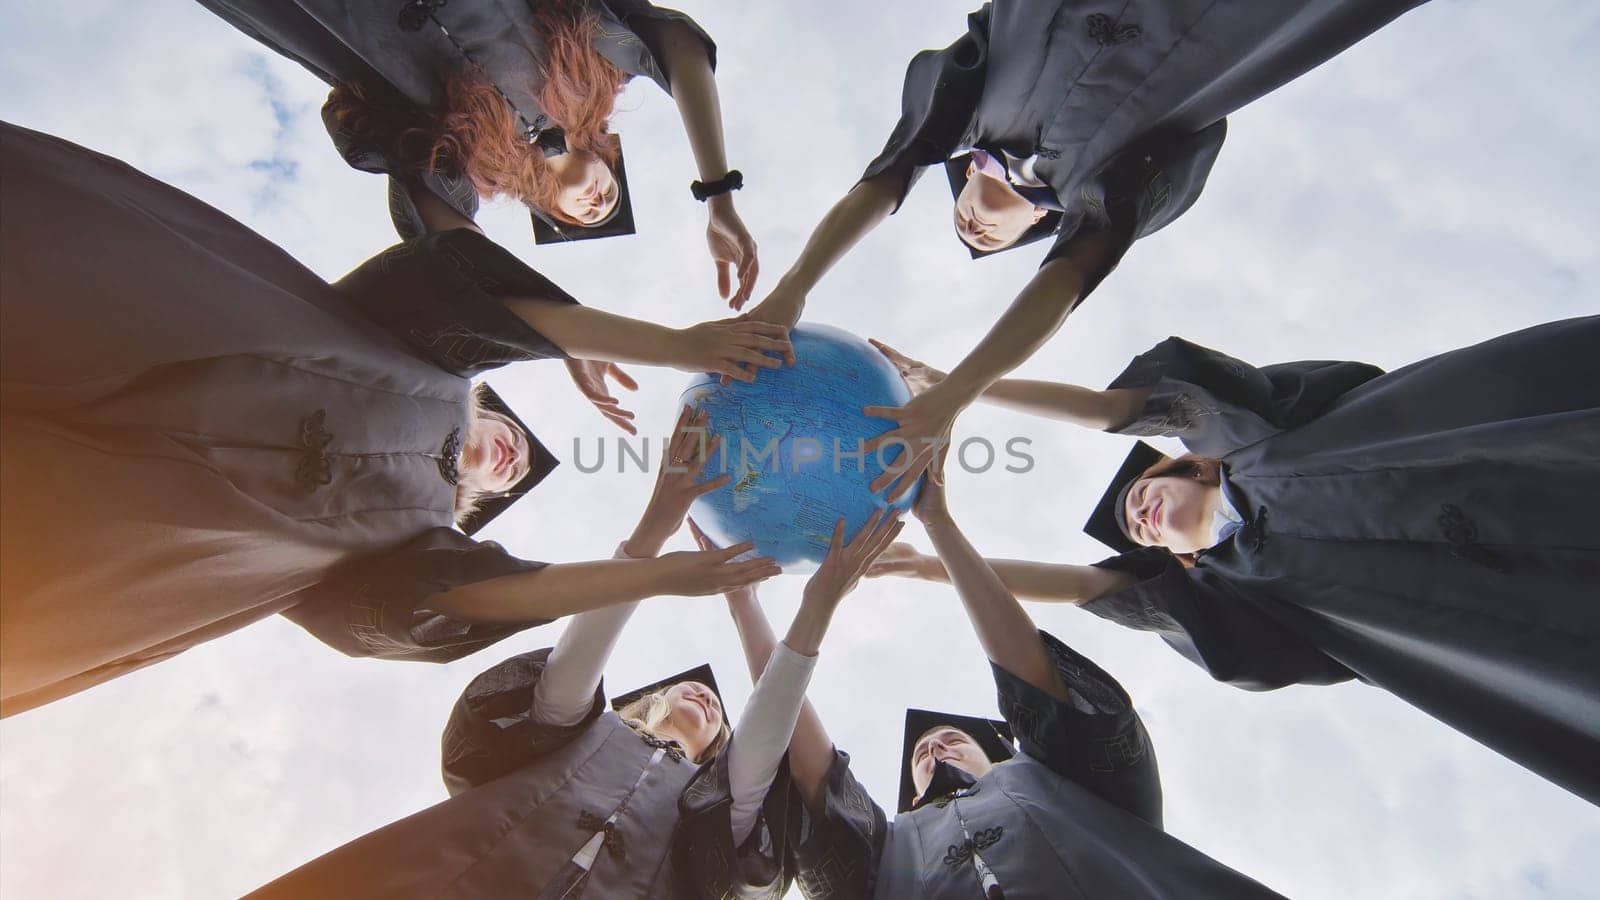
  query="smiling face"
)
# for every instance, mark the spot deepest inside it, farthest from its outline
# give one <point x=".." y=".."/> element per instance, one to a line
<point x="946" y="744"/>
<point x="1171" y="511"/>
<point x="989" y="215"/>
<point x="589" y="189"/>
<point x="695" y="717"/>
<point x="495" y="456"/>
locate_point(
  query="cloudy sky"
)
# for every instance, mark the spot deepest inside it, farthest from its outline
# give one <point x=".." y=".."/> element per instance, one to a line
<point x="1430" y="188"/>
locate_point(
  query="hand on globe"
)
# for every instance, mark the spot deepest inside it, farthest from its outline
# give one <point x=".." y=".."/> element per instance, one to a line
<point x="899" y="559"/>
<point x="930" y="508"/>
<point x="919" y="376"/>
<point x="921" y="441"/>
<point x="691" y="573"/>
<point x="732" y="348"/>
<point x="781" y="307"/>
<point x="744" y="593"/>
<point x="683" y="461"/>
<point x="590" y="377"/>
<point x="847" y="562"/>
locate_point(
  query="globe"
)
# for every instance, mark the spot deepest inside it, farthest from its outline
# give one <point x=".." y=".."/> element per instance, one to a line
<point x="791" y="442"/>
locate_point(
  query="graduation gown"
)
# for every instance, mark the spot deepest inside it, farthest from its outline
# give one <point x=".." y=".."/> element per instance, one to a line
<point x="199" y="432"/>
<point x="1077" y="814"/>
<point x="401" y="54"/>
<point x="525" y="799"/>
<point x="1122" y="108"/>
<point x="1429" y="531"/>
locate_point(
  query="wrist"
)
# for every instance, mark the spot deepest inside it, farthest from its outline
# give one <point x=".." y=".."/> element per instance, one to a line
<point x="721" y="204"/>
<point x="957" y="390"/>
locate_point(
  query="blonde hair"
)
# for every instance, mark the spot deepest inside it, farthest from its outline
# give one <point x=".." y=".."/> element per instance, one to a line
<point x="647" y="713"/>
<point x="470" y="491"/>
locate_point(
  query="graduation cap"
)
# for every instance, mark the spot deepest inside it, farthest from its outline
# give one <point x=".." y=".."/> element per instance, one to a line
<point x="549" y="230"/>
<point x="1108" y="524"/>
<point x="993" y="735"/>
<point x="956" y="171"/>
<point x="490" y="732"/>
<point x="541" y="461"/>
<point x="701" y="673"/>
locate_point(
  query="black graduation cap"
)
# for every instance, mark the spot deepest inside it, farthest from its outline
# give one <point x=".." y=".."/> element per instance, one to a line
<point x="490" y="732"/>
<point x="956" y="171"/>
<point x="549" y="230"/>
<point x="540" y="463"/>
<point x="701" y="673"/>
<point x="993" y="735"/>
<point x="1108" y="523"/>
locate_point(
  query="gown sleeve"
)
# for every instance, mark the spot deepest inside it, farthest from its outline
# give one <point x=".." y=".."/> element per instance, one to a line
<point x="628" y="38"/>
<point x="760" y="867"/>
<point x="1143" y="189"/>
<point x="937" y="106"/>
<point x="442" y="294"/>
<point x="1217" y="404"/>
<point x="736" y="810"/>
<point x="364" y="154"/>
<point x="492" y="729"/>
<point x="838" y="852"/>
<point x="1093" y="738"/>
<point x="377" y="606"/>
<point x="1212" y="624"/>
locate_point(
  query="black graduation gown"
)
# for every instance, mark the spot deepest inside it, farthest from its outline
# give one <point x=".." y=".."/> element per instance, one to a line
<point x="525" y="798"/>
<point x="1077" y="814"/>
<point x="1429" y="531"/>
<point x="199" y="432"/>
<point x="1124" y="108"/>
<point x="402" y="53"/>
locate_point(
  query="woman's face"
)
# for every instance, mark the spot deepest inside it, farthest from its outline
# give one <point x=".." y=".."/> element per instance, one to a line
<point x="589" y="190"/>
<point x="989" y="214"/>
<point x="696" y="715"/>
<point x="1171" y="511"/>
<point x="951" y="745"/>
<point x="496" y="455"/>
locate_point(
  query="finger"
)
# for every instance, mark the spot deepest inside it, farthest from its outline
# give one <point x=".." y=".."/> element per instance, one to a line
<point x="702" y="454"/>
<point x="756" y="326"/>
<point x="757" y="358"/>
<point x="758" y="564"/>
<point x="748" y="270"/>
<point x="906" y="483"/>
<point x="895" y="356"/>
<point x="622" y="378"/>
<point x="892" y="436"/>
<point x="717" y="483"/>
<point x="883" y="412"/>
<point x="761" y="342"/>
<point x="867" y="528"/>
<point x="730" y="552"/>
<point x="724" y="284"/>
<point x="737" y="372"/>
<point x="624" y="424"/>
<point x="838" y="537"/>
<point x="700" y="537"/>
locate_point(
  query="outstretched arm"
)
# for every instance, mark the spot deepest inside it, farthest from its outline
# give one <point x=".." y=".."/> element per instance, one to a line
<point x="730" y="347"/>
<point x="569" y="588"/>
<point x="682" y="53"/>
<point x="922" y="435"/>
<point x="1101" y="410"/>
<point x="1005" y="630"/>
<point x="1027" y="580"/>
<point x="778" y="717"/>
<point x="851" y="219"/>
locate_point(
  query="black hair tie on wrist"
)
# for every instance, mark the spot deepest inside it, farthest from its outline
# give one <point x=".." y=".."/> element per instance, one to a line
<point x="705" y="190"/>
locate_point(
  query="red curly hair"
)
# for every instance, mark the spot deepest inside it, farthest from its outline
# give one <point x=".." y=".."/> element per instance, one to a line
<point x="481" y="135"/>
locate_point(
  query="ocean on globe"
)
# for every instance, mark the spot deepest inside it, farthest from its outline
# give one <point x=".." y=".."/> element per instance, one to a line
<point x="791" y="442"/>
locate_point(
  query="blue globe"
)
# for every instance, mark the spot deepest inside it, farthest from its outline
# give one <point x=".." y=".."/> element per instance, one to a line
<point x="791" y="442"/>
